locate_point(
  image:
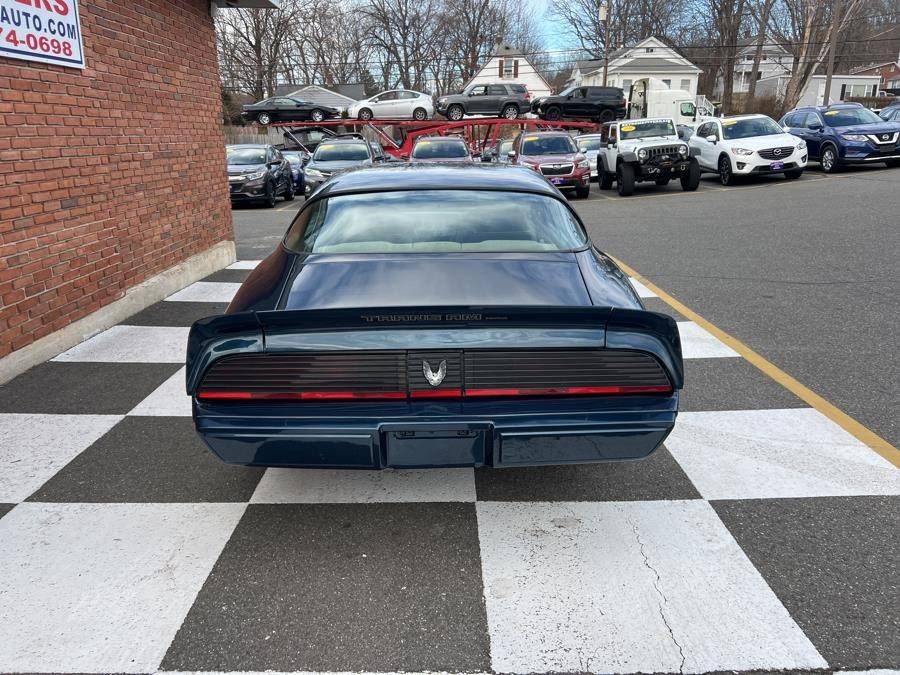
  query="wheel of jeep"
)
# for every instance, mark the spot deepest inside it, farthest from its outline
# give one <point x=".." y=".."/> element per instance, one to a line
<point x="662" y="182"/>
<point x="365" y="114"/>
<point x="725" y="174"/>
<point x="455" y="113"/>
<point x="690" y="179"/>
<point x="553" y="113"/>
<point x="264" y="118"/>
<point x="625" y="179"/>
<point x="607" y="115"/>
<point x="605" y="179"/>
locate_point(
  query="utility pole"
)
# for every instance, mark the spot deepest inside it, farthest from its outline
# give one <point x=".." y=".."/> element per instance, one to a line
<point x="604" y="15"/>
<point x="835" y="25"/>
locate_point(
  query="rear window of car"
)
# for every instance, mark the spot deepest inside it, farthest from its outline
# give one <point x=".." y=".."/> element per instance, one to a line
<point x="518" y="88"/>
<point x="435" y="221"/>
<point x="336" y="152"/>
<point x="442" y="149"/>
<point x="547" y="145"/>
<point x="592" y="143"/>
<point x="246" y="155"/>
<point x="849" y="116"/>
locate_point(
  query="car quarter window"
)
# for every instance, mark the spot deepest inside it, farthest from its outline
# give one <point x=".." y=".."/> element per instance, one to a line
<point x="497" y="90"/>
<point x="407" y="94"/>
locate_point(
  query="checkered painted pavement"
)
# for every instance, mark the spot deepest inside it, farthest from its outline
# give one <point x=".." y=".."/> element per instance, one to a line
<point x="761" y="537"/>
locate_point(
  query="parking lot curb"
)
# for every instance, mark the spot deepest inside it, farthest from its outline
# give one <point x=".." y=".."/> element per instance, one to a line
<point x="832" y="412"/>
<point x="134" y="300"/>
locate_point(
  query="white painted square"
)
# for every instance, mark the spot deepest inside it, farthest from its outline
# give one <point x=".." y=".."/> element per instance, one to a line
<point x="642" y="290"/>
<point x="244" y="265"/>
<point x="102" y="587"/>
<point x="698" y="343"/>
<point x="206" y="291"/>
<point x="755" y="454"/>
<point x="325" y="486"/>
<point x="167" y="400"/>
<point x="625" y="587"/>
<point x="132" y="344"/>
<point x="34" y="447"/>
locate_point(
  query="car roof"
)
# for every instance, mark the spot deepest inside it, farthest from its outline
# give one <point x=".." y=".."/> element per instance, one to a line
<point x="254" y="146"/>
<point x="438" y="177"/>
<point x="545" y="133"/>
<point x="343" y="140"/>
<point x="833" y="106"/>
<point x="437" y="137"/>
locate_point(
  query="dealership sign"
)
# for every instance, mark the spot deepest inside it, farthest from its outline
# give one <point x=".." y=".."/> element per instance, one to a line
<point x="48" y="31"/>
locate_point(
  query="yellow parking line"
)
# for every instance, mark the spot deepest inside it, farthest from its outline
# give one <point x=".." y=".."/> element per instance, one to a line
<point x="832" y="412"/>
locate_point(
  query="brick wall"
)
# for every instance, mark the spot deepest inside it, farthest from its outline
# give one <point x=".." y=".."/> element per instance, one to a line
<point x="112" y="174"/>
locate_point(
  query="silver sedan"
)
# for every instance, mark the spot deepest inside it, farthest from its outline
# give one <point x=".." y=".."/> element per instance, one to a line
<point x="396" y="104"/>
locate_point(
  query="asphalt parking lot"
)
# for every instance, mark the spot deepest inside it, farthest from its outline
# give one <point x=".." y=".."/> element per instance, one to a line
<point x="762" y="537"/>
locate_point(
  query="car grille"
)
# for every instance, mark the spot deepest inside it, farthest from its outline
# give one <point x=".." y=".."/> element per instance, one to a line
<point x="776" y="153"/>
<point x="398" y="374"/>
<point x="671" y="150"/>
<point x="557" y="169"/>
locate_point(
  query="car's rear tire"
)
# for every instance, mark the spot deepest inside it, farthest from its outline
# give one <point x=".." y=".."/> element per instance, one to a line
<point x="455" y="113"/>
<point x="607" y="115"/>
<point x="793" y="174"/>
<point x="829" y="159"/>
<point x="553" y="113"/>
<point x="726" y="175"/>
<point x="420" y="114"/>
<point x="510" y="112"/>
<point x="269" y="199"/>
<point x="662" y="182"/>
<point x="625" y="179"/>
<point x="264" y="118"/>
<point x="582" y="191"/>
<point x="690" y="179"/>
<point x="365" y="115"/>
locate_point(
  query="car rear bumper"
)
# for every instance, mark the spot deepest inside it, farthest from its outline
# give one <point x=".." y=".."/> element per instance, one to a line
<point x="498" y="434"/>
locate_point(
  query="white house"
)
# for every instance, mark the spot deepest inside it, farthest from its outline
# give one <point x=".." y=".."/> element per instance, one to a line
<point x="842" y="88"/>
<point x="508" y="64"/>
<point x="651" y="57"/>
<point x="775" y="60"/>
<point x="582" y="67"/>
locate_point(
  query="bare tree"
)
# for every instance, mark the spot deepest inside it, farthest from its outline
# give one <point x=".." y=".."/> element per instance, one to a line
<point x="761" y="11"/>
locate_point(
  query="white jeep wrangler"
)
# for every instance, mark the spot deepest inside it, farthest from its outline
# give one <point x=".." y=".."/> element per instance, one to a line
<point x="645" y="150"/>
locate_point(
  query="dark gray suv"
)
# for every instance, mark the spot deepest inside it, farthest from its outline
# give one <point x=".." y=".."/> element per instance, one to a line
<point x="496" y="100"/>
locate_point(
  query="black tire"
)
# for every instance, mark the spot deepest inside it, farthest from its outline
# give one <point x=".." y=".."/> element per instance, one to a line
<point x="690" y="179"/>
<point x="605" y="179"/>
<point x="420" y="114"/>
<point x="829" y="160"/>
<point x="364" y="114"/>
<point x="582" y="191"/>
<point x="455" y="113"/>
<point x="510" y="111"/>
<point x="893" y="163"/>
<point x="289" y="193"/>
<point x="662" y="182"/>
<point x="269" y="199"/>
<point x="553" y="113"/>
<point x="317" y="115"/>
<point x="793" y="174"/>
<point x="625" y="179"/>
<point x="726" y="175"/>
<point x="264" y="118"/>
<point x="607" y="115"/>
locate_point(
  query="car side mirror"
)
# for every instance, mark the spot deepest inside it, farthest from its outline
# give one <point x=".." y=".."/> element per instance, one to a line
<point x="511" y="154"/>
<point x="816" y="127"/>
<point x="583" y="149"/>
<point x="786" y="128"/>
<point x="712" y="138"/>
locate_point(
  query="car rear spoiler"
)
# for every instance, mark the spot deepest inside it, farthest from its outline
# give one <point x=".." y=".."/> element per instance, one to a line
<point x="245" y="332"/>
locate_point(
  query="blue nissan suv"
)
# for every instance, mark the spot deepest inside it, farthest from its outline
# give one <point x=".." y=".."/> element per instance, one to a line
<point x="845" y="133"/>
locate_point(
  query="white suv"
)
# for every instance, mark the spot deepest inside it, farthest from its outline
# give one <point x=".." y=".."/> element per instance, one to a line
<point x="747" y="145"/>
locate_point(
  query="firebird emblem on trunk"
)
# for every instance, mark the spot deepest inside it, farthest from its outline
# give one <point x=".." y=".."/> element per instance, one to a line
<point x="434" y="378"/>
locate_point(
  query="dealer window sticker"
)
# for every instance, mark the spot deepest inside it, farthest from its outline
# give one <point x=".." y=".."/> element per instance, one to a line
<point x="832" y="112"/>
<point x="729" y="123"/>
<point x="629" y="127"/>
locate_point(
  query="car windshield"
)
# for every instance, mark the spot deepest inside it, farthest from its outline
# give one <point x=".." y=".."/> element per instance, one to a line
<point x="435" y="221"/>
<point x="439" y="149"/>
<point x="293" y="157"/>
<point x="752" y="126"/>
<point x="547" y="145"/>
<point x="647" y="129"/>
<point x="590" y="143"/>
<point x="849" y="116"/>
<point x="341" y="152"/>
<point x="246" y="155"/>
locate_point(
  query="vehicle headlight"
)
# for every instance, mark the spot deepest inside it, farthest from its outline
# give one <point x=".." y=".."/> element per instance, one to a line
<point x="853" y="137"/>
<point x="682" y="150"/>
<point x="584" y="164"/>
<point x="256" y="175"/>
<point x="314" y="173"/>
<point x="642" y="153"/>
<point x="801" y="145"/>
<point x="742" y="151"/>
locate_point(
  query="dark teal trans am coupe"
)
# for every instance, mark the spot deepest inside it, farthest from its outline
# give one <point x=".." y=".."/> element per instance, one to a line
<point x="435" y="316"/>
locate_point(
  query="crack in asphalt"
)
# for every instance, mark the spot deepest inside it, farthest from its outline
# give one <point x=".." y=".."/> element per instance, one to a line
<point x="656" y="587"/>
